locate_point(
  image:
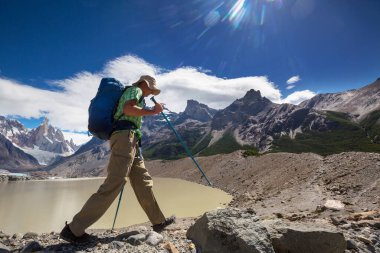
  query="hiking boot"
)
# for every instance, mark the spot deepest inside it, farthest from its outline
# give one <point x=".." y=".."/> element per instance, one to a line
<point x="159" y="227"/>
<point x="67" y="235"/>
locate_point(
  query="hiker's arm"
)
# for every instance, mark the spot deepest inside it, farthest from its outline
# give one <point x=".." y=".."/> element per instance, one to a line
<point x="131" y="109"/>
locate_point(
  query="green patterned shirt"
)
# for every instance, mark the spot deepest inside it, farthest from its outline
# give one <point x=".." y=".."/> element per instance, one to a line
<point x="132" y="93"/>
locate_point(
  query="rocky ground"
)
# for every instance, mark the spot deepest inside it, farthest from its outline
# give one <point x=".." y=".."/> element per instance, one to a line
<point x="231" y="230"/>
<point x="300" y="197"/>
<point x="138" y="238"/>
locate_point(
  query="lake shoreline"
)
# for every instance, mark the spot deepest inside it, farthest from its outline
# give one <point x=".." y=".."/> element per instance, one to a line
<point x="176" y="196"/>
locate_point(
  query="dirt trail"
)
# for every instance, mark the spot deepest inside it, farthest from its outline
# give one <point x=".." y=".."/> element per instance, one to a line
<point x="285" y="182"/>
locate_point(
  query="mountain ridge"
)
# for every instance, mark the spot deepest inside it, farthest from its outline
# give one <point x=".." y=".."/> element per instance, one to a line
<point x="358" y="102"/>
<point x="45" y="142"/>
<point x="250" y="123"/>
<point x="14" y="159"/>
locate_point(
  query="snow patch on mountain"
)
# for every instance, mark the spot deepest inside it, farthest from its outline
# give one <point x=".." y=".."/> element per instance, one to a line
<point x="44" y="142"/>
<point x="43" y="157"/>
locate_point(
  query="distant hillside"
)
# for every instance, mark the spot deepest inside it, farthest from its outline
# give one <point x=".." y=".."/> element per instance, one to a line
<point x="358" y="103"/>
<point x="344" y="136"/>
<point x="14" y="159"/>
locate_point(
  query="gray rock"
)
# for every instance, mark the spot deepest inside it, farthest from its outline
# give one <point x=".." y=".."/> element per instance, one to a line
<point x="301" y="237"/>
<point x="346" y="226"/>
<point x="364" y="239"/>
<point x="333" y="204"/>
<point x="230" y="230"/>
<point x="17" y="236"/>
<point x="4" y="249"/>
<point x="154" y="238"/>
<point x="351" y="244"/>
<point x="116" y="245"/>
<point x="374" y="239"/>
<point x="125" y="235"/>
<point x="136" y="239"/>
<point x="141" y="228"/>
<point x="30" y="235"/>
<point x="32" y="247"/>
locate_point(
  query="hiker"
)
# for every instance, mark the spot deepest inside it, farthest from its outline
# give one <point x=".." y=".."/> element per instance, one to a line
<point x="126" y="161"/>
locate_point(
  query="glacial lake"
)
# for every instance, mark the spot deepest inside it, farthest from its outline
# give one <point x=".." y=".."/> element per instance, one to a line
<point x="44" y="206"/>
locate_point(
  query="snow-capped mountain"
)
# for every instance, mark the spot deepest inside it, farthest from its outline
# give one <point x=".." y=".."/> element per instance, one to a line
<point x="45" y="142"/>
<point x="14" y="131"/>
<point x="357" y="102"/>
<point x="48" y="138"/>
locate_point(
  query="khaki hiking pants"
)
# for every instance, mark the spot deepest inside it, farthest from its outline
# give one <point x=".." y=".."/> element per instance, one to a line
<point x="124" y="162"/>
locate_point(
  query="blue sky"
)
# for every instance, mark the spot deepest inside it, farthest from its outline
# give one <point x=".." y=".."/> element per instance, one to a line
<point x="331" y="45"/>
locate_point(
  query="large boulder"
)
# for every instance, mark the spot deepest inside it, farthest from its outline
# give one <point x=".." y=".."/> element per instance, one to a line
<point x="301" y="237"/>
<point x="4" y="249"/>
<point x="230" y="230"/>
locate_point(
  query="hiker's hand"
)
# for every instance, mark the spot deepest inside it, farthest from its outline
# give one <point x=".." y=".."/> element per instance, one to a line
<point x="158" y="108"/>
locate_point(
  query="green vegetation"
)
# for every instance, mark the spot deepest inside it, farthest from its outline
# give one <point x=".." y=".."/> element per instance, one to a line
<point x="251" y="152"/>
<point x="371" y="125"/>
<point x="172" y="148"/>
<point x="224" y="145"/>
<point x="202" y="144"/>
<point x="165" y="150"/>
<point x="344" y="135"/>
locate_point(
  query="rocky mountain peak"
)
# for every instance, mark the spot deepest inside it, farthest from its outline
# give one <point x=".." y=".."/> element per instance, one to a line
<point x="241" y="109"/>
<point x="13" y="130"/>
<point x="49" y="138"/>
<point x="197" y="111"/>
<point x="252" y="95"/>
<point x="45" y="123"/>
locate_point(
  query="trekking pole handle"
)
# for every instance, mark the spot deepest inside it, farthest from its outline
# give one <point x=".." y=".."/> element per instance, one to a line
<point x="153" y="99"/>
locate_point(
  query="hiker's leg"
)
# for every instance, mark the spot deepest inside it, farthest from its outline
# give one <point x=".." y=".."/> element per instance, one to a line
<point x="142" y="184"/>
<point x="123" y="151"/>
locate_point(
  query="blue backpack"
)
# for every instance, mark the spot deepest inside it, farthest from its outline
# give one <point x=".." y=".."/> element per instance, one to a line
<point x="101" y="111"/>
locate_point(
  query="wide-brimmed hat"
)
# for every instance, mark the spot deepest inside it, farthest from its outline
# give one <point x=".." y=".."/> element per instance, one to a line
<point x="151" y="82"/>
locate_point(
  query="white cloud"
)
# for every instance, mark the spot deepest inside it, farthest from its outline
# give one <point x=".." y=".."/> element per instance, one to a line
<point x="67" y="108"/>
<point x="299" y="96"/>
<point x="78" y="138"/>
<point x="289" y="87"/>
<point x="189" y="83"/>
<point x="293" y="79"/>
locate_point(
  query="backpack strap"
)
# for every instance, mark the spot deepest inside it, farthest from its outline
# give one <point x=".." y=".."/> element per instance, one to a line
<point x="118" y="102"/>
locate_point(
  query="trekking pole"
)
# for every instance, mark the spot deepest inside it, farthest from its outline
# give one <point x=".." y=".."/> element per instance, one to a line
<point x="183" y="143"/>
<point x="117" y="209"/>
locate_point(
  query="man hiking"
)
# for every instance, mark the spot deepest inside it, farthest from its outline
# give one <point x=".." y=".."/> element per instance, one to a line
<point x="125" y="161"/>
